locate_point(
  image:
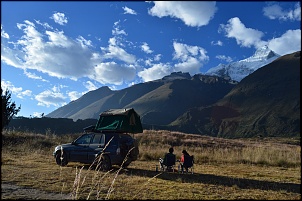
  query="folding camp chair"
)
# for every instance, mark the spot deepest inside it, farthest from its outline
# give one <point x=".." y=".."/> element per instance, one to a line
<point x="187" y="166"/>
<point x="169" y="166"/>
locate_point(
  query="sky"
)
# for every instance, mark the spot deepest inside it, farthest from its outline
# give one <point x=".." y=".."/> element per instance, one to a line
<point x="53" y="52"/>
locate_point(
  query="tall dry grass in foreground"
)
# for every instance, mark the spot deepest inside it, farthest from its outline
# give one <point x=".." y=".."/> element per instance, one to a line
<point x="223" y="168"/>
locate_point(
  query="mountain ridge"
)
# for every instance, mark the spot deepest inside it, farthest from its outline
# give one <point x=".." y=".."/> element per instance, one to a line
<point x="209" y="104"/>
<point x="240" y="69"/>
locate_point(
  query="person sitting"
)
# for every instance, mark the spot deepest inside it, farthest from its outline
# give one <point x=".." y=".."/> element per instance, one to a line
<point x="169" y="161"/>
<point x="186" y="161"/>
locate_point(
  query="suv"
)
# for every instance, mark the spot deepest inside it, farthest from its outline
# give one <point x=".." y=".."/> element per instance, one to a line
<point x="110" y="147"/>
<point x="107" y="141"/>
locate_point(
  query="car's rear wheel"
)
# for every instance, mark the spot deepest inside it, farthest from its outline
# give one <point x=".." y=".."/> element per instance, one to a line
<point x="105" y="164"/>
<point x="61" y="159"/>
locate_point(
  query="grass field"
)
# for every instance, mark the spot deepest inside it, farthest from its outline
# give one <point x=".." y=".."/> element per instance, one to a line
<point x="262" y="169"/>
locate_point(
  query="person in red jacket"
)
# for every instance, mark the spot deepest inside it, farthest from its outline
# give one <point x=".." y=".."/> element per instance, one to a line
<point x="186" y="161"/>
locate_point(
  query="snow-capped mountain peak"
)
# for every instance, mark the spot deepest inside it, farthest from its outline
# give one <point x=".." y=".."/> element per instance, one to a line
<point x="240" y="69"/>
<point x="261" y="54"/>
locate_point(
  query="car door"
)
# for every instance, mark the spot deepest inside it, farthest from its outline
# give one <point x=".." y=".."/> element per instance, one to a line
<point x="97" y="144"/>
<point x="81" y="148"/>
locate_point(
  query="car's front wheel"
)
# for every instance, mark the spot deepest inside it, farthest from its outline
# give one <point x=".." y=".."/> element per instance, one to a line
<point x="61" y="159"/>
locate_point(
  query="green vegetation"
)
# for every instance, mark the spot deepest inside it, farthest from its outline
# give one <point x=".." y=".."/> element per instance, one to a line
<point x="9" y="108"/>
<point x="257" y="168"/>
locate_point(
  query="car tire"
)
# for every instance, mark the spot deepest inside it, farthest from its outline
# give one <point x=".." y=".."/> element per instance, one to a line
<point x="105" y="164"/>
<point x="61" y="159"/>
<point x="126" y="163"/>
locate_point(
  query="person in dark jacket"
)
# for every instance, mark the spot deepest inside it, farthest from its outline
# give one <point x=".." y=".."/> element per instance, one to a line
<point x="168" y="161"/>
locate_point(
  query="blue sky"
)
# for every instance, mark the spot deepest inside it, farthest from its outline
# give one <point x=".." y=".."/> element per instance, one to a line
<point x="54" y="52"/>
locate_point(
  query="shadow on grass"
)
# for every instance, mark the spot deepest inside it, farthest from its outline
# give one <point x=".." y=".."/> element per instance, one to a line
<point x="211" y="179"/>
<point x="218" y="180"/>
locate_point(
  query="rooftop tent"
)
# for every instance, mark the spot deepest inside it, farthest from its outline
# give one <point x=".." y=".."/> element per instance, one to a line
<point x="120" y="120"/>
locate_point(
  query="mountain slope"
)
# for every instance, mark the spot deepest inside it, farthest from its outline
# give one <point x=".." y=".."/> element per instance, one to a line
<point x="74" y="106"/>
<point x="157" y="102"/>
<point x="240" y="69"/>
<point x="267" y="103"/>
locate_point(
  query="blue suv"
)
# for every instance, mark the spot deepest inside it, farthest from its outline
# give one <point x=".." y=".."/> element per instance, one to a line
<point x="105" y="144"/>
<point x="102" y="149"/>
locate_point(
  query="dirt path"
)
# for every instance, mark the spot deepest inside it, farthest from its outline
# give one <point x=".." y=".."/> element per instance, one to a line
<point x="11" y="191"/>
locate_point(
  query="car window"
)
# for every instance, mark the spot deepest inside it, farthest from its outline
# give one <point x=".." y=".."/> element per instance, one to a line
<point x="99" y="139"/>
<point x="84" y="139"/>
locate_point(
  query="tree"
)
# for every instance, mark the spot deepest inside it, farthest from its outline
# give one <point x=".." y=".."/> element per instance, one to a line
<point x="9" y="108"/>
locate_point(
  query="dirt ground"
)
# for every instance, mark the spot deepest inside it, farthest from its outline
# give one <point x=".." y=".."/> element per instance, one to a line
<point x="11" y="191"/>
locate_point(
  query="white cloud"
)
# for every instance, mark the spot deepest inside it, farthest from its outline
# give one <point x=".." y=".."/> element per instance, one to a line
<point x="192" y="13"/>
<point x="18" y="91"/>
<point x="191" y="65"/>
<point x="116" y="52"/>
<point x="288" y="43"/>
<point x="84" y="43"/>
<point x="59" y="18"/>
<point x="45" y="25"/>
<point x="129" y="11"/>
<point x="145" y="47"/>
<point x="245" y="37"/>
<point x="191" y="57"/>
<point x="60" y="56"/>
<point x="114" y="73"/>
<point x="90" y="86"/>
<point x="57" y="55"/>
<point x="116" y="29"/>
<point x="225" y="58"/>
<point x="50" y="97"/>
<point x="157" y="57"/>
<point x="38" y="114"/>
<point x="157" y="71"/>
<point x="276" y="12"/>
<point x="34" y="76"/>
<point x="219" y="43"/>
<point x="3" y="33"/>
<point x="74" y="95"/>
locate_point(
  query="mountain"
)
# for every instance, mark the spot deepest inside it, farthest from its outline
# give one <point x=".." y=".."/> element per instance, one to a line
<point x="240" y="69"/>
<point x="158" y="102"/>
<point x="74" y="106"/>
<point x="266" y="103"/>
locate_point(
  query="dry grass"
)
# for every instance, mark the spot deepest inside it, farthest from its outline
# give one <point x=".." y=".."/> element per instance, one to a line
<point x="224" y="169"/>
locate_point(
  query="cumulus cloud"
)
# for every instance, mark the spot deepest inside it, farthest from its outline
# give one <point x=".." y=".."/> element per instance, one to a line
<point x="188" y="59"/>
<point x="90" y="86"/>
<point x="145" y="47"/>
<point x="129" y="11"/>
<point x="245" y="37"/>
<point x="74" y="95"/>
<point x="157" y="71"/>
<point x="51" y="97"/>
<point x="113" y="73"/>
<point x="192" y="13"/>
<point x="288" y="43"/>
<point x="18" y="91"/>
<point x="275" y="11"/>
<point x="116" y="29"/>
<point x="59" y="18"/>
<point x="57" y="55"/>
<point x="113" y="51"/>
<point x="225" y="58"/>
<point x="34" y="76"/>
<point x="4" y="34"/>
<point x="219" y="43"/>
<point x="191" y="57"/>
